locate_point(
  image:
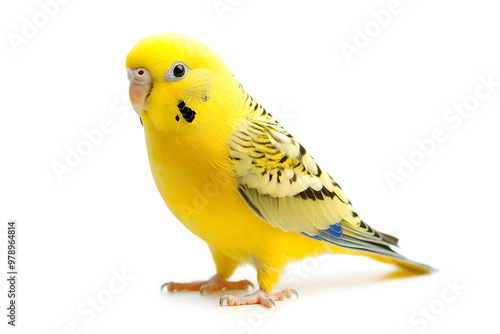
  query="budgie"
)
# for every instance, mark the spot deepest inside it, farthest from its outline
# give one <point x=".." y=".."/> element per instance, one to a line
<point x="235" y="177"/>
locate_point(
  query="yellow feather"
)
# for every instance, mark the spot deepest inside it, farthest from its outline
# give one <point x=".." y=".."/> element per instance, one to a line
<point x="232" y="145"/>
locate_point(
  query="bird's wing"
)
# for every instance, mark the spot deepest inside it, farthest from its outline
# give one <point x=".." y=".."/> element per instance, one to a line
<point x="285" y="187"/>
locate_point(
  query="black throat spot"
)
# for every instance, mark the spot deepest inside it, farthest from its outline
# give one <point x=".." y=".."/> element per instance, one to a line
<point x="186" y="112"/>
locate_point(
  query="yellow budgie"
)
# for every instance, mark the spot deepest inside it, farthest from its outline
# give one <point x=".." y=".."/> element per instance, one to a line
<point x="234" y="177"/>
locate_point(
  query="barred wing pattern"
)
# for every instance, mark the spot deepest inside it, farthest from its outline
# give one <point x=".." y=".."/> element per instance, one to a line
<point x="285" y="187"/>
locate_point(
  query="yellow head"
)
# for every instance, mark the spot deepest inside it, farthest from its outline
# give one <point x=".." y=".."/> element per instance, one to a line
<point x="178" y="82"/>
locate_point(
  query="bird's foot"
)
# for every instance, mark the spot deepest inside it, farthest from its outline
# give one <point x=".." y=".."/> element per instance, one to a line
<point x="215" y="283"/>
<point x="259" y="297"/>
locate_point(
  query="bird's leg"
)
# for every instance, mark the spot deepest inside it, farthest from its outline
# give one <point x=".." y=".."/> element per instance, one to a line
<point x="215" y="283"/>
<point x="258" y="297"/>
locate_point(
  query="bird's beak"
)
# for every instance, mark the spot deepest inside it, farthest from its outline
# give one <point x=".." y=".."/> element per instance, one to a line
<point x="138" y="93"/>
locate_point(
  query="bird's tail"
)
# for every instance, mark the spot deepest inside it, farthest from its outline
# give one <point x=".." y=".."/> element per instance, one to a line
<point x="393" y="258"/>
<point x="377" y="246"/>
<point x="404" y="263"/>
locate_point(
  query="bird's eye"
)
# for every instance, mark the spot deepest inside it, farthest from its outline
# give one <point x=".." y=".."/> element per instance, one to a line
<point x="177" y="71"/>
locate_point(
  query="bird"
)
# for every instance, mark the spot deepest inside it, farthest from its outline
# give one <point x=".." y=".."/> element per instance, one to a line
<point x="234" y="177"/>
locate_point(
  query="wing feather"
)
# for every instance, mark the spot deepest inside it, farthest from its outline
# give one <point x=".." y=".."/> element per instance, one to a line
<point x="280" y="181"/>
<point x="284" y="186"/>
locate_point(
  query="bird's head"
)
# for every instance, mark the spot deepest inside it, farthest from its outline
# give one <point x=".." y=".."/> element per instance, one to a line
<point x="173" y="78"/>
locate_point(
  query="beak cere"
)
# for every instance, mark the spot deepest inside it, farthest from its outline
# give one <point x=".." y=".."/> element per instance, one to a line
<point x="139" y="89"/>
<point x="138" y="93"/>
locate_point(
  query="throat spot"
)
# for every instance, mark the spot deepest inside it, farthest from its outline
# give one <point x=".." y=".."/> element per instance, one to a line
<point x="188" y="113"/>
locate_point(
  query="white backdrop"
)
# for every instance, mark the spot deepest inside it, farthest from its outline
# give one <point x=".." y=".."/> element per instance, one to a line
<point x="397" y="100"/>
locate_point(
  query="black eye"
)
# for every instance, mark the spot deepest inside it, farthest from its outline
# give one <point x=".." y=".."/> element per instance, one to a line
<point x="179" y="71"/>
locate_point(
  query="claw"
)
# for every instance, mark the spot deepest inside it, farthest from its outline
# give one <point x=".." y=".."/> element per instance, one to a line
<point x="164" y="285"/>
<point x="202" y="289"/>
<point x="223" y="299"/>
<point x="272" y="302"/>
<point x="294" y="292"/>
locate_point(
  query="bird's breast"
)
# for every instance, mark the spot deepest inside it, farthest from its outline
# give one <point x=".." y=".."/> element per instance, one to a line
<point x="196" y="180"/>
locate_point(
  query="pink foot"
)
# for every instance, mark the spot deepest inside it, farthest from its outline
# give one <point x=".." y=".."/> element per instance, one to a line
<point x="215" y="283"/>
<point x="259" y="297"/>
